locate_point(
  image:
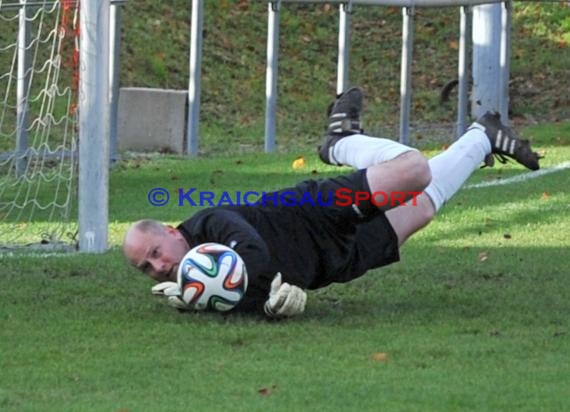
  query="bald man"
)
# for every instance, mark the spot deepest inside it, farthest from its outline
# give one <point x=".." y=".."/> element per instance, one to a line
<point x="289" y="249"/>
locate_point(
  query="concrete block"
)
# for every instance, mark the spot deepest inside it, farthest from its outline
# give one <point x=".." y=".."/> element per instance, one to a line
<point x="152" y="119"/>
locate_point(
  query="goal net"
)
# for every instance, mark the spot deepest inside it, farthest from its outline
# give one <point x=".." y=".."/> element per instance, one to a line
<point x="39" y="74"/>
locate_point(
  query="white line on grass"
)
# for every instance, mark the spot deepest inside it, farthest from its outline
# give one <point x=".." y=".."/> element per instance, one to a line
<point x="520" y="178"/>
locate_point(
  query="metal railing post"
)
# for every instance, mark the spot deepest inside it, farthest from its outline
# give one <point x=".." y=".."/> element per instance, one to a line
<point x="271" y="75"/>
<point x="406" y="73"/>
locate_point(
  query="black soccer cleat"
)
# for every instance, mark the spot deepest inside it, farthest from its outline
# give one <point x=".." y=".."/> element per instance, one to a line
<point x="343" y="120"/>
<point x="505" y="143"/>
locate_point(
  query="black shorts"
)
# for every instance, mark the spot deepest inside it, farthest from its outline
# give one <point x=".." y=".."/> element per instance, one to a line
<point x="352" y="227"/>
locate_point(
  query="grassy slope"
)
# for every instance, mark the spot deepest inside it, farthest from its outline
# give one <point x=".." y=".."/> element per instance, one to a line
<point x="155" y="53"/>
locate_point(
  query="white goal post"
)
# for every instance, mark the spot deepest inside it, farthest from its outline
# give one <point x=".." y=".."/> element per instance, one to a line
<point x="93" y="195"/>
<point x="54" y="122"/>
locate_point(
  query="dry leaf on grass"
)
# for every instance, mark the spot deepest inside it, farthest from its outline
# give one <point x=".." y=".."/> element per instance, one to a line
<point x="299" y="163"/>
<point x="267" y="391"/>
<point x="380" y="356"/>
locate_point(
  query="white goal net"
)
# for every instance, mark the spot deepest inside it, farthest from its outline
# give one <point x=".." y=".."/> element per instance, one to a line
<point x="39" y="72"/>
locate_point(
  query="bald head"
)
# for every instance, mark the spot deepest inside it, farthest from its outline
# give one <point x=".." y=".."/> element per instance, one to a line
<point x="149" y="225"/>
<point x="154" y="248"/>
<point x="139" y="230"/>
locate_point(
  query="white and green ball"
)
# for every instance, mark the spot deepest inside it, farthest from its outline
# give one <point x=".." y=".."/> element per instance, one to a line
<point x="212" y="276"/>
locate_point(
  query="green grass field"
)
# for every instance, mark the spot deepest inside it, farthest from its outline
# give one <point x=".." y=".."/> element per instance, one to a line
<point x="474" y="318"/>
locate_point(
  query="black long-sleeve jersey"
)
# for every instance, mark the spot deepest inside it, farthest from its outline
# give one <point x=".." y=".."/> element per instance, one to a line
<point x="311" y="246"/>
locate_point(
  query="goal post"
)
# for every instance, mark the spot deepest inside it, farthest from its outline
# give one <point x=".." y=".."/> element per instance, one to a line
<point x="94" y="124"/>
<point x="56" y="99"/>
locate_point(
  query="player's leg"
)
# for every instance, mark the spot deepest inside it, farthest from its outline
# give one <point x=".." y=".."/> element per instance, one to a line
<point x="450" y="169"/>
<point x="394" y="171"/>
<point x="345" y="143"/>
<point x="395" y="168"/>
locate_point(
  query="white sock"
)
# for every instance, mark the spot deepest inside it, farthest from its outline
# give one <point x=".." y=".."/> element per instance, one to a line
<point x="450" y="169"/>
<point x="361" y="151"/>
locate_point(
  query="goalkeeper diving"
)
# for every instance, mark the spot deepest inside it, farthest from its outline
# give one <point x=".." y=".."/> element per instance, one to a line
<point x="288" y="250"/>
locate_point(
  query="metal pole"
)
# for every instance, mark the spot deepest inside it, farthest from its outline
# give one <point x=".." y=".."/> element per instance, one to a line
<point x="194" y="86"/>
<point x="22" y="90"/>
<point x="463" y="72"/>
<point x="343" y="47"/>
<point x="505" y="58"/>
<point x="395" y="3"/>
<point x="114" y="75"/>
<point x="401" y="3"/>
<point x="271" y="75"/>
<point x="486" y="39"/>
<point x="94" y="126"/>
<point x="406" y="73"/>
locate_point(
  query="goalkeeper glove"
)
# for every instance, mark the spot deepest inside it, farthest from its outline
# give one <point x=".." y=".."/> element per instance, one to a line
<point x="173" y="294"/>
<point x="284" y="299"/>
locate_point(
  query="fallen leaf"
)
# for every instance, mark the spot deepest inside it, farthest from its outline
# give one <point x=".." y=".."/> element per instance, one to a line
<point x="267" y="391"/>
<point x="454" y="45"/>
<point x="299" y="163"/>
<point x="545" y="196"/>
<point x="483" y="256"/>
<point x="380" y="356"/>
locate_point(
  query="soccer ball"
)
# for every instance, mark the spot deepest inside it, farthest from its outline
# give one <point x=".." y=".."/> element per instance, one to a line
<point x="212" y="276"/>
